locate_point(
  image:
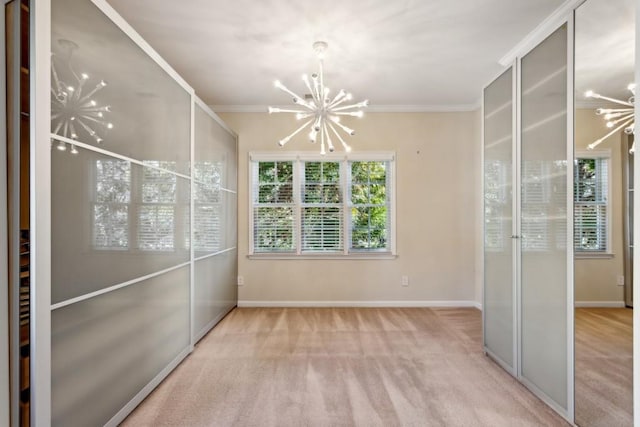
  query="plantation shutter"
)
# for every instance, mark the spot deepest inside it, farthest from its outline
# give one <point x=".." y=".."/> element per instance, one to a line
<point x="321" y="207"/>
<point x="156" y="214"/>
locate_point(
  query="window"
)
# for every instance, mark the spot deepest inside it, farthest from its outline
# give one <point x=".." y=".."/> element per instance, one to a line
<point x="111" y="204"/>
<point x="139" y="208"/>
<point x="591" y="204"/>
<point x="321" y="205"/>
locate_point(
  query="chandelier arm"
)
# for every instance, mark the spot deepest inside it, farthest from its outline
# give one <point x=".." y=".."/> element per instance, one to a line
<point x="633" y="147"/>
<point x="98" y="87"/>
<point x="347" y="107"/>
<point x="346" y="147"/>
<point x="340" y="101"/>
<point x="617" y="101"/>
<point x="316" y="92"/>
<point x="618" y="120"/>
<point x="283" y="88"/>
<point x="86" y="127"/>
<point x="338" y="97"/>
<point x="343" y="127"/>
<point x="326" y="132"/>
<point x="294" y="133"/>
<point x="56" y="79"/>
<point x="599" y="141"/>
<point x="358" y="113"/>
<point x="57" y="128"/>
<point x="601" y="111"/>
<point x="72" y="129"/>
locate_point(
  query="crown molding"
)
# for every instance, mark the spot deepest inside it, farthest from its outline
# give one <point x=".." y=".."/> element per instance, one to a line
<point x="541" y="32"/>
<point x="445" y="108"/>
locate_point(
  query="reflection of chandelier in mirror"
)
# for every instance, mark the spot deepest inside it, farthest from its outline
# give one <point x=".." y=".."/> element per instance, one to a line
<point x="617" y="118"/>
<point x="321" y="112"/>
<point x="74" y="110"/>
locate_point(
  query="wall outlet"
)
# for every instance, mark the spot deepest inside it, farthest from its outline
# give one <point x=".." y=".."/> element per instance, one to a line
<point x="405" y="281"/>
<point x="620" y="280"/>
<point x="240" y="281"/>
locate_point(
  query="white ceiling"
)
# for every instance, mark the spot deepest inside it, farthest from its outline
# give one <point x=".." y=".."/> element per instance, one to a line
<point x="604" y="49"/>
<point x="430" y="53"/>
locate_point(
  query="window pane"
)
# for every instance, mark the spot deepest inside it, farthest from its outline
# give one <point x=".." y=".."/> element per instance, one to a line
<point x="156" y="228"/>
<point x="113" y="181"/>
<point x="321" y="229"/>
<point x="273" y="229"/>
<point x="110" y="226"/>
<point x="369" y="228"/>
<point x="322" y="182"/>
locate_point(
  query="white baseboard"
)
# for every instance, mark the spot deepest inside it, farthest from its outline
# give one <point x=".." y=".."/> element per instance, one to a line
<point x="251" y="303"/>
<point x="600" y="304"/>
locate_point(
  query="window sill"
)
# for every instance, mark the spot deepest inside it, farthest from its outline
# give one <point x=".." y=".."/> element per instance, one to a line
<point x="593" y="255"/>
<point x="375" y="256"/>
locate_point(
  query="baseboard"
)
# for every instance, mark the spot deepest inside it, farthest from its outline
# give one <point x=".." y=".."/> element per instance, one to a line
<point x="599" y="304"/>
<point x="251" y="303"/>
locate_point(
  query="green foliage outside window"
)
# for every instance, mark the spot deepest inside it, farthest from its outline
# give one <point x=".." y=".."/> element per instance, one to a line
<point x="369" y="205"/>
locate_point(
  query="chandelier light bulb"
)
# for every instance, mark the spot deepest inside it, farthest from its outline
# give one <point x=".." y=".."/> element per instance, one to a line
<point x="61" y="146"/>
<point x="321" y="110"/>
<point x="74" y="150"/>
<point x="609" y="124"/>
<point x="589" y="94"/>
<point x="85" y="76"/>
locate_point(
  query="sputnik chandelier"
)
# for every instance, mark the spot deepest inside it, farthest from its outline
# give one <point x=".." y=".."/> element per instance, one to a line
<point x="75" y="112"/>
<point x="617" y="118"/>
<point x="322" y="114"/>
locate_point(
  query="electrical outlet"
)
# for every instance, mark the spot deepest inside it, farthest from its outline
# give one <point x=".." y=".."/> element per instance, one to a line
<point x="620" y="281"/>
<point x="240" y="281"/>
<point x="405" y="281"/>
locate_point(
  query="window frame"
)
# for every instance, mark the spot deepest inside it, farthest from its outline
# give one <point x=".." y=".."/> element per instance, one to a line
<point x="344" y="160"/>
<point x="598" y="154"/>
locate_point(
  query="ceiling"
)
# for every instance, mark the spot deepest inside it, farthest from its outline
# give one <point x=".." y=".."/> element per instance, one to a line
<point x="423" y="53"/>
<point x="604" y="49"/>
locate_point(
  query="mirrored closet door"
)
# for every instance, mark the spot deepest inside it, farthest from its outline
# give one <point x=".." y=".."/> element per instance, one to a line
<point x="603" y="197"/>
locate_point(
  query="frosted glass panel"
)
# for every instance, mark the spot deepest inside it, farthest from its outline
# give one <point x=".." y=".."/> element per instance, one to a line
<point x="544" y="216"/>
<point x="106" y="349"/>
<point x="113" y="221"/>
<point x="120" y="99"/>
<point x="216" y="290"/>
<point x="209" y="217"/>
<point x="498" y="250"/>
<point x="215" y="152"/>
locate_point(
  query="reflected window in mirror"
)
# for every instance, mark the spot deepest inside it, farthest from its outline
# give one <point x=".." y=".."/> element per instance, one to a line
<point x="496" y="203"/>
<point x="591" y="204"/>
<point x="156" y="214"/>
<point x="112" y="196"/>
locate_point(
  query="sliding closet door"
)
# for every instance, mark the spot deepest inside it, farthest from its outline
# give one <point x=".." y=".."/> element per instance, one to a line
<point x="499" y="325"/>
<point x="544" y="205"/>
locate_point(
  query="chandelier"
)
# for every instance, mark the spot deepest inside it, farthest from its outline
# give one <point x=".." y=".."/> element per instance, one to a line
<point x="617" y="118"/>
<point x="321" y="112"/>
<point x="75" y="112"/>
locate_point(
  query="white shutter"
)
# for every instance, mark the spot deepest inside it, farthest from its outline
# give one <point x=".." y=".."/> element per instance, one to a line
<point x="321" y="206"/>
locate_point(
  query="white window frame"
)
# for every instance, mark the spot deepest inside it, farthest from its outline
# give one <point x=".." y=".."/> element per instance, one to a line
<point x="344" y="159"/>
<point x="599" y="154"/>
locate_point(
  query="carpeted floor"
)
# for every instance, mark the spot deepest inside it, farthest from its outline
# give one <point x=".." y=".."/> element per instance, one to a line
<point x="342" y="367"/>
<point x="604" y="367"/>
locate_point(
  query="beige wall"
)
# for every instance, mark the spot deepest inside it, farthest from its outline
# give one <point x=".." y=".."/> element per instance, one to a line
<point x="437" y="214"/>
<point x="595" y="279"/>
